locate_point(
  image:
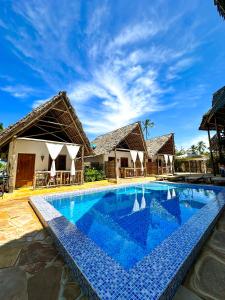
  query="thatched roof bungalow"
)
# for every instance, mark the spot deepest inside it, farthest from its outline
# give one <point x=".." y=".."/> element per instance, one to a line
<point x="121" y="153"/>
<point x="41" y="148"/>
<point x="161" y="151"/>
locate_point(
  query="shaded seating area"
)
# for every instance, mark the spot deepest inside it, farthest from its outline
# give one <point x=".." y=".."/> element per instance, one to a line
<point x="191" y="163"/>
<point x="46" y="147"/>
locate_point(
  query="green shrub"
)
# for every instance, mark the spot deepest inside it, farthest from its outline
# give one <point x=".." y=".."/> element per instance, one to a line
<point x="92" y="174"/>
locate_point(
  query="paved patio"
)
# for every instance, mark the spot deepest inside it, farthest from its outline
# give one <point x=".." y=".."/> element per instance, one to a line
<point x="30" y="266"/>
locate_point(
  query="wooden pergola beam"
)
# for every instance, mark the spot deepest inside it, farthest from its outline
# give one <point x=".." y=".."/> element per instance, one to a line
<point x="55" y="123"/>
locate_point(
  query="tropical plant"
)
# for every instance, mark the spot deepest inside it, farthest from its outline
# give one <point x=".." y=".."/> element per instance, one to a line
<point x="1" y="126"/>
<point x="201" y="146"/>
<point x="146" y="125"/>
<point x="194" y="149"/>
<point x="92" y="174"/>
<point x="182" y="151"/>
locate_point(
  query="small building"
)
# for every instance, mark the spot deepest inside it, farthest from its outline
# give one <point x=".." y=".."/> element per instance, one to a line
<point x="191" y="163"/>
<point x="121" y="153"/>
<point x="46" y="147"/>
<point x="161" y="152"/>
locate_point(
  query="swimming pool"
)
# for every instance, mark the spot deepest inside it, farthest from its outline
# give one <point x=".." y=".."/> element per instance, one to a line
<point x="134" y="238"/>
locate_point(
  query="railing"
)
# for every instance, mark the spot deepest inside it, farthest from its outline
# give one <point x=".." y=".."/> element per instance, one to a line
<point x="165" y="170"/>
<point x="44" y="179"/>
<point x="132" y="172"/>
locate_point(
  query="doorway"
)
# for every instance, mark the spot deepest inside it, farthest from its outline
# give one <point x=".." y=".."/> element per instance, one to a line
<point x="25" y="170"/>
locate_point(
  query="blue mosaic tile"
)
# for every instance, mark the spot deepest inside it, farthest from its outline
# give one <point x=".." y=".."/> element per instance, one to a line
<point x="156" y="276"/>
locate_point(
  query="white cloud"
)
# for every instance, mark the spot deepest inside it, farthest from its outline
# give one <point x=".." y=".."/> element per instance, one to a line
<point x="134" y="33"/>
<point x="193" y="140"/>
<point x="180" y="66"/>
<point x="39" y="102"/>
<point x="18" y="91"/>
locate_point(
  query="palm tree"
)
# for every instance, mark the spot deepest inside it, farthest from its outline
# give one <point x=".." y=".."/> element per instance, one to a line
<point x="180" y="151"/>
<point x="201" y="146"/>
<point x="1" y="126"/>
<point x="146" y="125"/>
<point x="193" y="149"/>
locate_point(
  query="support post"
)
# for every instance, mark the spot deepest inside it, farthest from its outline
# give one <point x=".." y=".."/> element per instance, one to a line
<point x="145" y="165"/>
<point x="82" y="165"/>
<point x="116" y="169"/>
<point x="211" y="154"/>
<point x="12" y="166"/>
<point x="219" y="141"/>
<point x="158" y="164"/>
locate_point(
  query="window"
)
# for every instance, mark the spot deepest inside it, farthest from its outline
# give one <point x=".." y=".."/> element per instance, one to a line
<point x="124" y="162"/>
<point x="111" y="158"/>
<point x="60" y="163"/>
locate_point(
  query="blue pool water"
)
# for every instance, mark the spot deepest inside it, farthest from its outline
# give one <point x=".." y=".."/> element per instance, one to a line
<point x="128" y="222"/>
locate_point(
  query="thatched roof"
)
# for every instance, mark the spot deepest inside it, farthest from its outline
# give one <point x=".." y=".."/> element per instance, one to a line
<point x="155" y="144"/>
<point x="127" y="137"/>
<point x="216" y="112"/>
<point x="221" y="7"/>
<point x="54" y="120"/>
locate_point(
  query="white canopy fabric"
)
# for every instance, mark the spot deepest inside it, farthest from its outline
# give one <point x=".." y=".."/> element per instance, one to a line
<point x="72" y="150"/>
<point x="166" y="158"/>
<point x="133" y="154"/>
<point x="141" y="157"/>
<point x="171" y="162"/>
<point x="54" y="150"/>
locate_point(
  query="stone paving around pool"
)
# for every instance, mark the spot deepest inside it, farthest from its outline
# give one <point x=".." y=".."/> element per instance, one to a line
<point x="206" y="279"/>
<point x="30" y="266"/>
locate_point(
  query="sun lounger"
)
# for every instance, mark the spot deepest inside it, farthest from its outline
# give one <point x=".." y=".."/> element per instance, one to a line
<point x="218" y="180"/>
<point x="205" y="178"/>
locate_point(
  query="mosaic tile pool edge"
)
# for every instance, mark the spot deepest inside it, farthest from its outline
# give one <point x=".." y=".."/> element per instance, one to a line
<point x="127" y="289"/>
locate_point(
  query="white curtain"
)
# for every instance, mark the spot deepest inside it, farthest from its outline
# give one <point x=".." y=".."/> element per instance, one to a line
<point x="72" y="150"/>
<point x="141" y="157"/>
<point x="54" y="150"/>
<point x="133" y="154"/>
<point x="166" y="158"/>
<point x="171" y="161"/>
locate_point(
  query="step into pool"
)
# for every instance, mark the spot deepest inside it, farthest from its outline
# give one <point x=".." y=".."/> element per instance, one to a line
<point x="135" y="241"/>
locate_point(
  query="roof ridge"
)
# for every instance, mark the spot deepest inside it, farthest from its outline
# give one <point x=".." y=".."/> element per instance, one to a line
<point x="107" y="133"/>
<point x="159" y="136"/>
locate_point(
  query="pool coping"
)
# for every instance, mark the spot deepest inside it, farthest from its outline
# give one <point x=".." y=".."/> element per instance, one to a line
<point x="156" y="276"/>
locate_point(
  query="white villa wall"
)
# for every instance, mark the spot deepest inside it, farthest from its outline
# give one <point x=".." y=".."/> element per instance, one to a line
<point x="31" y="147"/>
<point x="120" y="154"/>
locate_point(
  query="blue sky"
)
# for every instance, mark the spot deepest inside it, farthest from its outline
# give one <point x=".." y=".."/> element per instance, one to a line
<point x="119" y="61"/>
